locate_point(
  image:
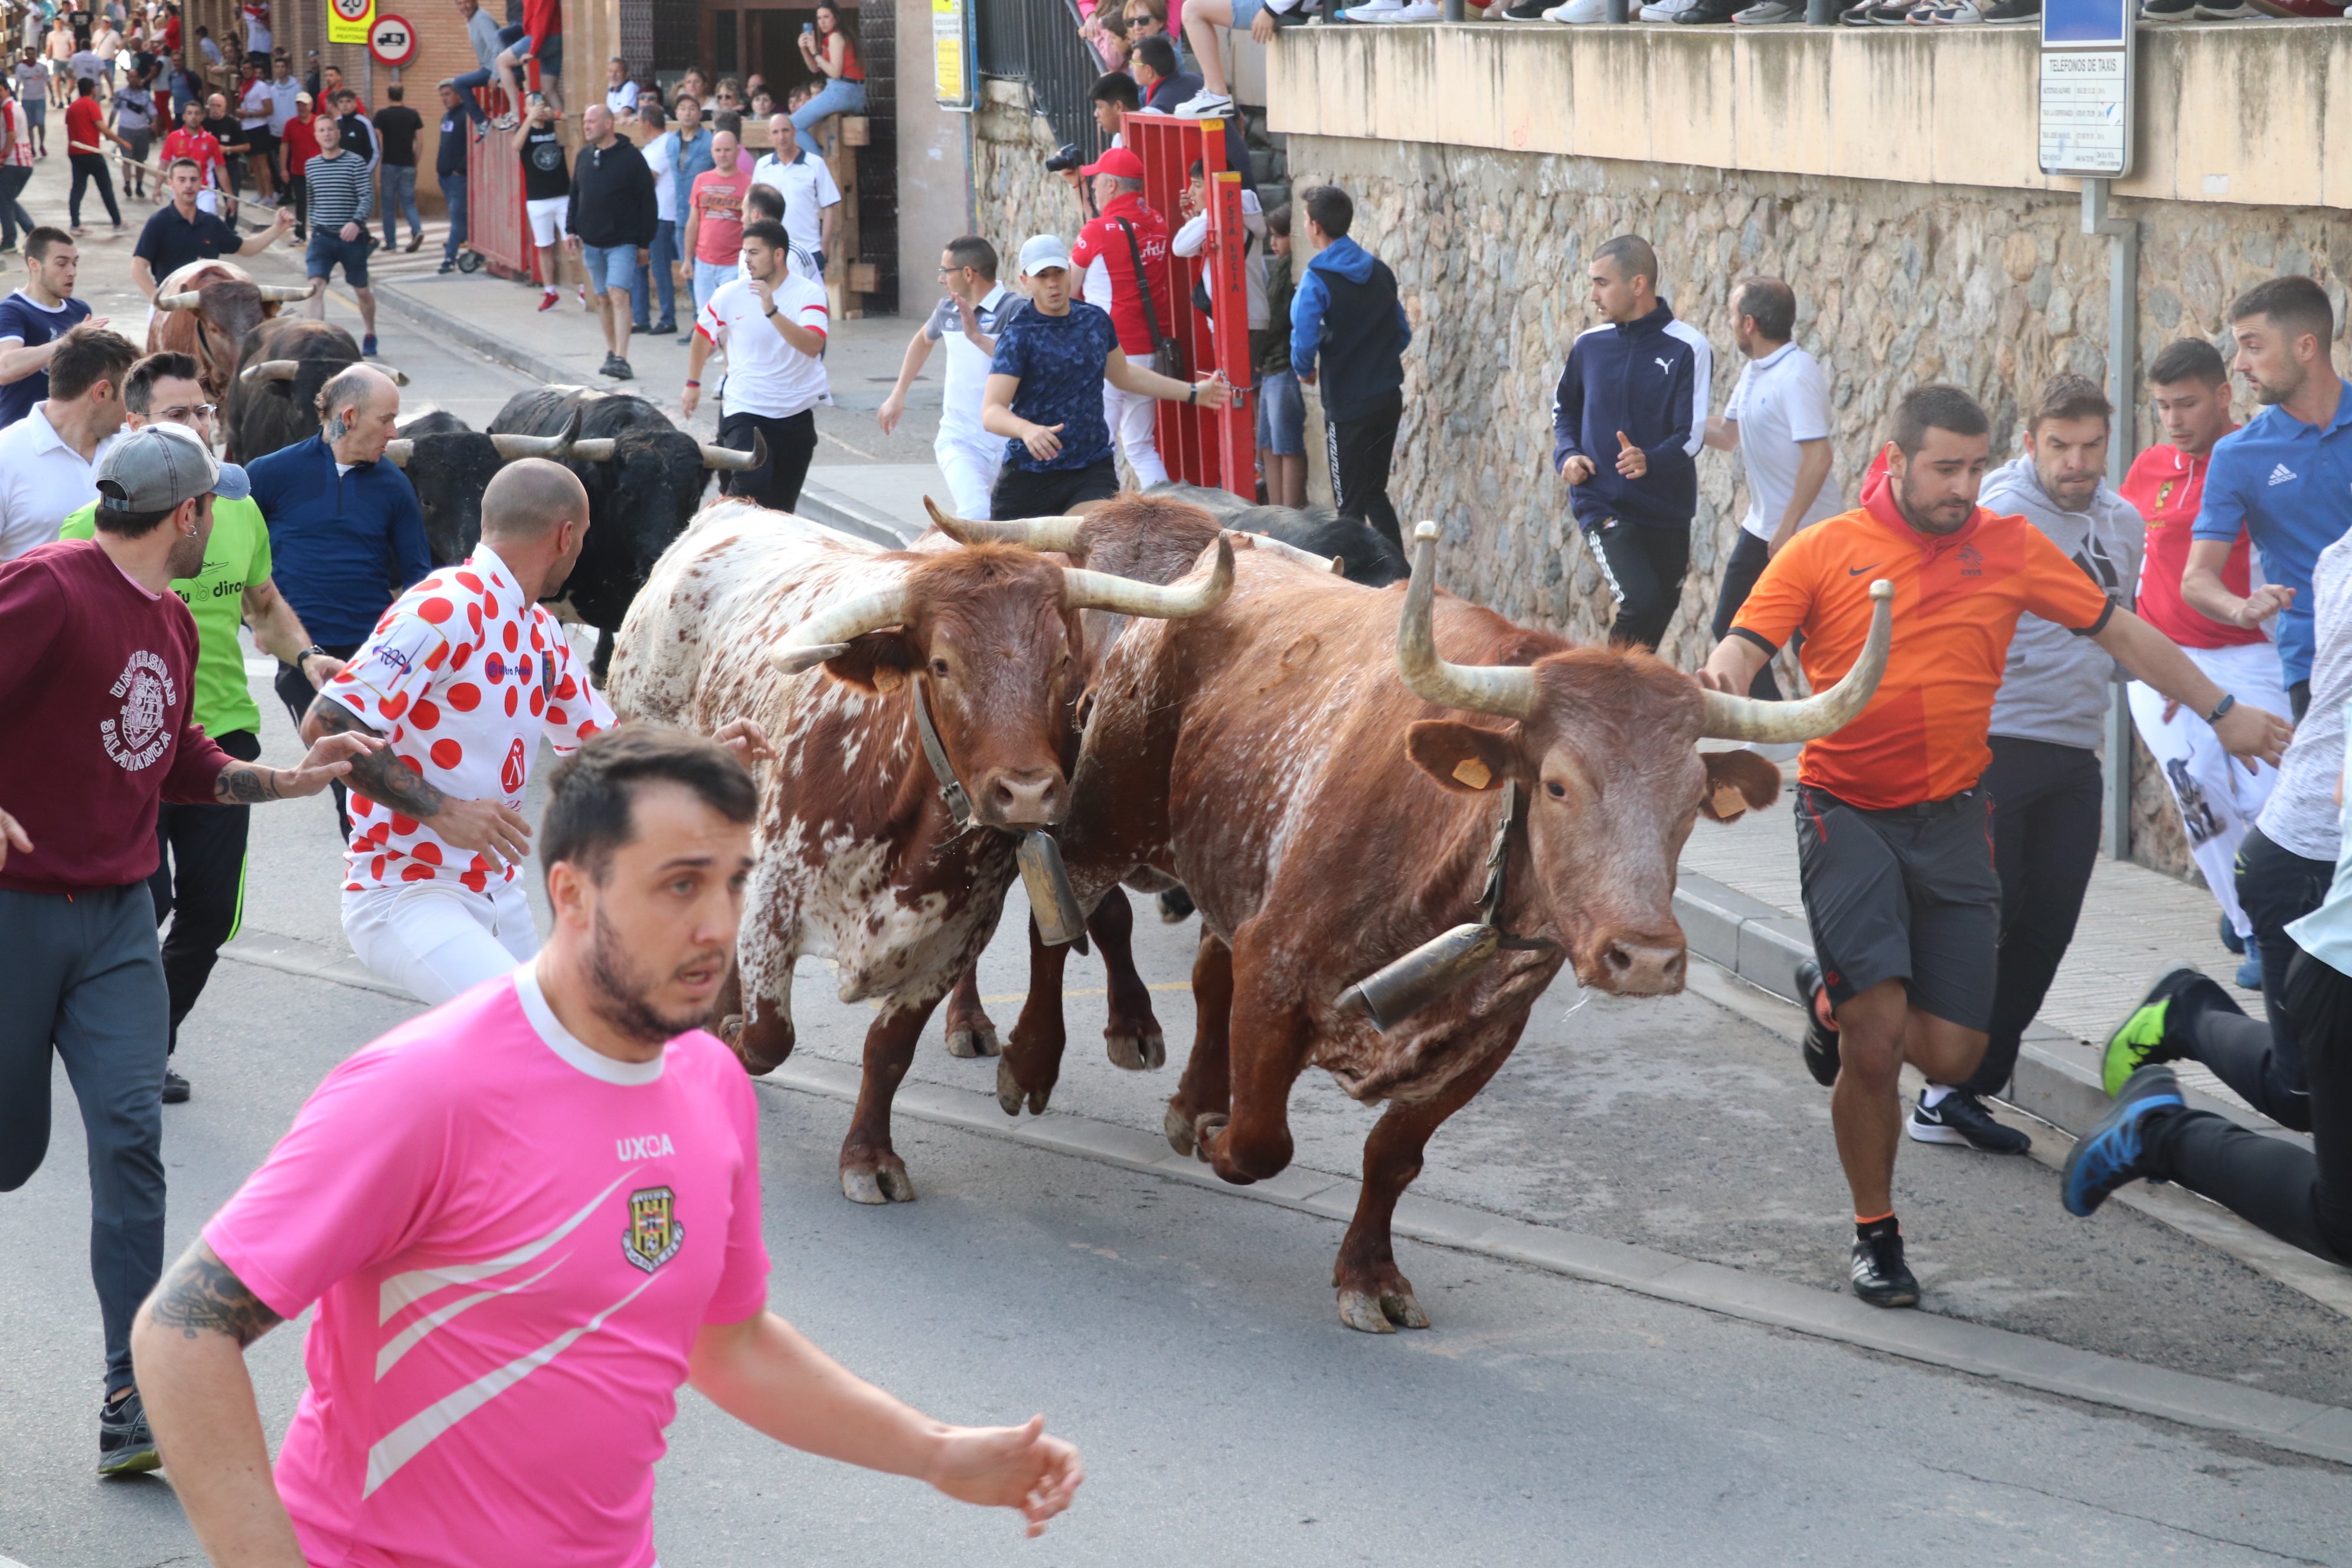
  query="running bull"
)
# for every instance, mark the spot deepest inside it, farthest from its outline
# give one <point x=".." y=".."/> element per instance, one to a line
<point x="1321" y="851"/>
<point x="273" y="402"/>
<point x="830" y="642"/>
<point x="450" y="466"/>
<point x="207" y="310"/>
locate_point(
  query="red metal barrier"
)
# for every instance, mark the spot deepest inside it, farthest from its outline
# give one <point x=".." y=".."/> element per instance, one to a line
<point x="1213" y="448"/>
<point x="497" y="228"/>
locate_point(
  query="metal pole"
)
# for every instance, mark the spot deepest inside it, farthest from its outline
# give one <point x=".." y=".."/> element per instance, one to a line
<point x="1820" y="13"/>
<point x="2123" y="391"/>
<point x="1619" y="11"/>
<point x="1454" y="10"/>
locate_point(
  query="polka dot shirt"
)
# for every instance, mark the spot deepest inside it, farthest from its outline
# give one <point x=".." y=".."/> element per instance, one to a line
<point x="462" y="676"/>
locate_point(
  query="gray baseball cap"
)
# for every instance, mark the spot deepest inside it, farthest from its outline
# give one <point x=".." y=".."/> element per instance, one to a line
<point x="157" y="466"/>
<point x="1044" y="253"/>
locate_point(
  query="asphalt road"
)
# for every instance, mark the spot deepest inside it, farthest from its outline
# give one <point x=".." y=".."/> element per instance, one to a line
<point x="1189" y="1342"/>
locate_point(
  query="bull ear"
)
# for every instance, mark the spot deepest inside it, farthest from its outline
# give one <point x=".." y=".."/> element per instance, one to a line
<point x="1463" y="757"/>
<point x="1736" y="784"/>
<point x="877" y="662"/>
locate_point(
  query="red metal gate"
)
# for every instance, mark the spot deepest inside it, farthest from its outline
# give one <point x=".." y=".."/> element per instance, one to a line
<point x="1217" y="449"/>
<point x="497" y="228"/>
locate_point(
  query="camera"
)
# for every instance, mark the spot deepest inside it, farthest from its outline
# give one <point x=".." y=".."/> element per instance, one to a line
<point x="1065" y="158"/>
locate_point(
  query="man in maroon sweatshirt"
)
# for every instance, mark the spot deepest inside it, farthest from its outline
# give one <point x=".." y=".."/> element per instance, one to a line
<point x="97" y="667"/>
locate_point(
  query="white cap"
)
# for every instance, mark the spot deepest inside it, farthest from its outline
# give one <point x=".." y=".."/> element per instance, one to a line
<point x="1044" y="253"/>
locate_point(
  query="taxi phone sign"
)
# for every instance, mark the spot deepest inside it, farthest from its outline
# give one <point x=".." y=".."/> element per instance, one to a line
<point x="391" y="40"/>
<point x="2087" y="88"/>
<point x="348" y="20"/>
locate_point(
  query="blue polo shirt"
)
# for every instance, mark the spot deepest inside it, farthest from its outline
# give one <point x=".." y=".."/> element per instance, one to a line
<point x="1059" y="361"/>
<point x="2289" y="486"/>
<point x="344" y="546"/>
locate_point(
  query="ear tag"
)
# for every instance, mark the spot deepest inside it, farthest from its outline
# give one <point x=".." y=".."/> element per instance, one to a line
<point x="887" y="678"/>
<point x="1474" y="773"/>
<point x="1729" y="804"/>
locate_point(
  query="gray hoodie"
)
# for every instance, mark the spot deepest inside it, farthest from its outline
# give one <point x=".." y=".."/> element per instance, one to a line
<point x="2058" y="684"/>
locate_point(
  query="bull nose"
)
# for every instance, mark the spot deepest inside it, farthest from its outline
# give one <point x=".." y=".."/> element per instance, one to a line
<point x="1032" y="797"/>
<point x="1642" y="969"/>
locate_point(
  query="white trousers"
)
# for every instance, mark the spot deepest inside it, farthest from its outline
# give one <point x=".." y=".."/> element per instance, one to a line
<point x="970" y="463"/>
<point x="2217" y="798"/>
<point x="1134" y="421"/>
<point x="439" y="939"/>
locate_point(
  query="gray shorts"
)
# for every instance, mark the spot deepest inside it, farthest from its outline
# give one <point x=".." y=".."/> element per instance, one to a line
<point x="1907" y="894"/>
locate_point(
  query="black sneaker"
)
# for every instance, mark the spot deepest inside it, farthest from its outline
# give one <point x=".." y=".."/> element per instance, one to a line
<point x="2013" y="11"/>
<point x="125" y="1445"/>
<point x="1821" y="1041"/>
<point x="1708" y="12"/>
<point x="606" y="368"/>
<point x="618" y="369"/>
<point x="2158" y="13"/>
<point x="665" y="328"/>
<point x="1880" y="1277"/>
<point x="1962" y="1119"/>
<point x="1527" y="10"/>
<point x="175" y="1088"/>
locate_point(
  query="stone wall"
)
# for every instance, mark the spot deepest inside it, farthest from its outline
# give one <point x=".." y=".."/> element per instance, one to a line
<point x="1897" y="285"/>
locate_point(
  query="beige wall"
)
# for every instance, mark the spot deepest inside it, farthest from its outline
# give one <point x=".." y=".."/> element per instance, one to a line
<point x="934" y="190"/>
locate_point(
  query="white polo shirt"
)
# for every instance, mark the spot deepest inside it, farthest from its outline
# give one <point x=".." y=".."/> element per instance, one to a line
<point x="661" y="157"/>
<point x="807" y="187"/>
<point x="1780" y="400"/>
<point x="966" y="382"/>
<point x="765" y="375"/>
<point x="42" y="482"/>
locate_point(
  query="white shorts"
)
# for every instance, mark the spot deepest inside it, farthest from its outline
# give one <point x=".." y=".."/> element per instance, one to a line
<point x="547" y="220"/>
<point x="969" y="461"/>
<point x="439" y="939"/>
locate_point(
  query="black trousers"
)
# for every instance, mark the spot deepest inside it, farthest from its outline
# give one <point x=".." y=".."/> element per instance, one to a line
<point x="1361" y="451"/>
<point x="2303" y="1197"/>
<point x="2265" y="1064"/>
<point x="199" y="884"/>
<point x="2298" y="696"/>
<point x="2045" y="839"/>
<point x="12" y="215"/>
<point x="791" y="444"/>
<point x="1748" y="559"/>
<point x="1644" y="568"/>
<point x="1050" y="492"/>
<point x="295" y="691"/>
<point x="86" y="167"/>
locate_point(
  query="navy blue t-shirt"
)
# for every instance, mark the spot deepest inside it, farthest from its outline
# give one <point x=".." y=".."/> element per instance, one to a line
<point x="1059" y="360"/>
<point x="33" y="325"/>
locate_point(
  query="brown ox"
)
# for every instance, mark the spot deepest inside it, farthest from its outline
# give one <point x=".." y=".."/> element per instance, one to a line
<point x="829" y="643"/>
<point x="1290" y="757"/>
<point x="206" y="309"/>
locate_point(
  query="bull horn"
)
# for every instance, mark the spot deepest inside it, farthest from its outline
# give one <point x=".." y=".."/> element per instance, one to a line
<point x="1730" y="718"/>
<point x="187" y="301"/>
<point x="557" y="446"/>
<point x="597" y="449"/>
<point x="399" y="376"/>
<point x="1273" y="546"/>
<point x="1036" y="532"/>
<point x="268" y="370"/>
<point x="1084" y="590"/>
<point x="399" y="450"/>
<point x="1506" y="689"/>
<point x="828" y="633"/>
<point x="734" y="461"/>
<point x="283" y="293"/>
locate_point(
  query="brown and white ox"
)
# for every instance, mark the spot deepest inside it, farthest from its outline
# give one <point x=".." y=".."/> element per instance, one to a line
<point x="206" y="309"/>
<point x="828" y="642"/>
<point x="1328" y="789"/>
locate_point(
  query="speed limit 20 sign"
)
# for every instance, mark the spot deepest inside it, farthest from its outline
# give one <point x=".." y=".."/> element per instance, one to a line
<point x="391" y="40"/>
<point x="347" y="20"/>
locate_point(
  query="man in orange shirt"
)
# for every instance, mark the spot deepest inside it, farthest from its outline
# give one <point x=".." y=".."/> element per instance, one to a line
<point x="1893" y="837"/>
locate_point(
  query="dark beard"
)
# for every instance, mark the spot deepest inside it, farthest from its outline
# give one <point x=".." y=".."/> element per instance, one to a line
<point x="618" y="994"/>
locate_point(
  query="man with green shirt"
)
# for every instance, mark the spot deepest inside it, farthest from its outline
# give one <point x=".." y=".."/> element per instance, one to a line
<point x="200" y="870"/>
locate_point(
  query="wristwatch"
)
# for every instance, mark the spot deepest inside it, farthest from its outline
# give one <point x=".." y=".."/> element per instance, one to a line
<point x="2229" y="700"/>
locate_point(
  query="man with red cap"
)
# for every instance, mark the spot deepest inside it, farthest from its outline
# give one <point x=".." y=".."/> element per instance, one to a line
<point x="1125" y="243"/>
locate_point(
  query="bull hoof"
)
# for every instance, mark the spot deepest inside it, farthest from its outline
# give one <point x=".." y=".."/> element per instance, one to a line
<point x="1037" y="1099"/>
<point x="1382" y="1314"/>
<point x="1137" y="1053"/>
<point x="887" y="1186"/>
<point x="973" y="1044"/>
<point x="1205" y="1127"/>
<point x="1179" y="1130"/>
<point x="1009" y="1093"/>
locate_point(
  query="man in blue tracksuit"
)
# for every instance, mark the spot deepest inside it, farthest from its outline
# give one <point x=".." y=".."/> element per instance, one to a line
<point x="1627" y="423"/>
<point x="1346" y="308"/>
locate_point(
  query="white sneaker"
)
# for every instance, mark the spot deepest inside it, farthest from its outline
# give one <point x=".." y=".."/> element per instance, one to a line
<point x="1768" y="13"/>
<point x="1666" y="11"/>
<point x="1205" y="105"/>
<point x="1579" y="11"/>
<point x="1417" y="11"/>
<point x="1373" y="10"/>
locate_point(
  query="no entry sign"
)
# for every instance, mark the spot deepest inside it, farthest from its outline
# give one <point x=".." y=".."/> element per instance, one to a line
<point x="391" y="40"/>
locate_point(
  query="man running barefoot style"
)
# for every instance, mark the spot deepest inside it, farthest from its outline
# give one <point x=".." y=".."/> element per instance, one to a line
<point x="1893" y="836"/>
<point x="531" y="1212"/>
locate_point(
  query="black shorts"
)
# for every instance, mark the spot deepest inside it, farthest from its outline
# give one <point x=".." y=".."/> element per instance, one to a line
<point x="1050" y="492"/>
<point x="1907" y="894"/>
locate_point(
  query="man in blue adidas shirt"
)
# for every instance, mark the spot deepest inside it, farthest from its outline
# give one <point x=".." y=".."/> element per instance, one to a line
<point x="1346" y="310"/>
<point x="2285" y="477"/>
<point x="1627" y="423"/>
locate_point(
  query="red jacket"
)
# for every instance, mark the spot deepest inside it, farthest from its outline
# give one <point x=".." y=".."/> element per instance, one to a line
<point x="1107" y="271"/>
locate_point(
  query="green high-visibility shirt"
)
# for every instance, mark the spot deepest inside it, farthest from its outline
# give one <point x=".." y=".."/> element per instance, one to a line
<point x="236" y="556"/>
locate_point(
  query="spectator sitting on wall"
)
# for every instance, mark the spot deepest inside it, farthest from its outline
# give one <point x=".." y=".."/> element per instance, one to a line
<point x="620" y="88"/>
<point x="1104" y="29"/>
<point x="763" y="104"/>
<point x="1164" y="85"/>
<point x="728" y="96"/>
<point x="543" y="40"/>
<point x="1201" y="23"/>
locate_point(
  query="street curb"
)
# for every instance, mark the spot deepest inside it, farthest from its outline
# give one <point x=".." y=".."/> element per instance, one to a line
<point x="2302" y="1427"/>
<point x="822" y="503"/>
<point x="2057" y="1077"/>
<point x="488" y="345"/>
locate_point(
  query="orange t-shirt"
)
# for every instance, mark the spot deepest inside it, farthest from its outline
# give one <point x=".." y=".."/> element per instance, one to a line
<point x="1956" y="600"/>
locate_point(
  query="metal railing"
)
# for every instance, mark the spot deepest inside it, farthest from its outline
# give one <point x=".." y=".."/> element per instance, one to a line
<point x="1037" y="42"/>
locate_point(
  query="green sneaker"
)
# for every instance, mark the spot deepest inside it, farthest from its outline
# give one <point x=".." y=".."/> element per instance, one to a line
<point x="2140" y="1038"/>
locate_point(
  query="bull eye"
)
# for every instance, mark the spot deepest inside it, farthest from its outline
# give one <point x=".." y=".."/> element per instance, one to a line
<point x="1557" y="790"/>
<point x="939" y="667"/>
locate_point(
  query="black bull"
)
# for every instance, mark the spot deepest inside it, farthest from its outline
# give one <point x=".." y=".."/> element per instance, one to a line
<point x="1365" y="554"/>
<point x="273" y="400"/>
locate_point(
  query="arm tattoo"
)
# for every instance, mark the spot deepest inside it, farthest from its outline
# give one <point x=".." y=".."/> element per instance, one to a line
<point x="379" y="775"/>
<point x="242" y="783"/>
<point x="200" y="1293"/>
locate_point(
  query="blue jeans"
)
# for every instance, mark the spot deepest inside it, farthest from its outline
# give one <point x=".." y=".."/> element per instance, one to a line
<point x="838" y="97"/>
<point x="610" y="267"/>
<point x="466" y="85"/>
<point x="453" y="192"/>
<point x="396" y="196"/>
<point x="661" y="264"/>
<point x="707" y="277"/>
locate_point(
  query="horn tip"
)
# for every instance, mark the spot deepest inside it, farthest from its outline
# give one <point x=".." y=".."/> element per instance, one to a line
<point x="1881" y="589"/>
<point x="801" y="659"/>
<point x="1422" y="530"/>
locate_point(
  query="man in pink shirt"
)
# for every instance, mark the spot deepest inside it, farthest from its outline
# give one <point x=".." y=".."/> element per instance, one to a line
<point x="533" y="1210"/>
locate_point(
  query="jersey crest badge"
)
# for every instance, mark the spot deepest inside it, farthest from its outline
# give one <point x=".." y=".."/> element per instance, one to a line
<point x="517" y="771"/>
<point x="654" y="1235"/>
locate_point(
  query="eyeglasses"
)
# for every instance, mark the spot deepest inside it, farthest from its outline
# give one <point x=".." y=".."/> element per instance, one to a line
<point x="184" y="413"/>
